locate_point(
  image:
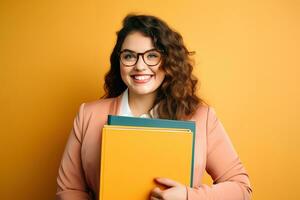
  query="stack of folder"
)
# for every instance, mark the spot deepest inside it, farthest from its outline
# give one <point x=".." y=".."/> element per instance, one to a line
<point x="135" y="151"/>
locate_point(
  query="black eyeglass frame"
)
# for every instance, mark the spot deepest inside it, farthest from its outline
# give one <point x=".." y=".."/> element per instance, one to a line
<point x="142" y="54"/>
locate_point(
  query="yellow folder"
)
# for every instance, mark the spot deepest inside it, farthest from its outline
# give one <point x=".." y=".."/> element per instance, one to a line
<point x="131" y="157"/>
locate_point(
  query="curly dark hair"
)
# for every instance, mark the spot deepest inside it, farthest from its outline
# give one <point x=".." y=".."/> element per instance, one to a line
<point x="176" y="98"/>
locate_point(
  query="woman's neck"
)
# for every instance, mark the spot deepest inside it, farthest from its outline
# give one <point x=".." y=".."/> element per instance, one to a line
<point x="140" y="104"/>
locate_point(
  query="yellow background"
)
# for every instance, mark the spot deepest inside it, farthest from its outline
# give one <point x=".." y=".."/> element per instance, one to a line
<point x="54" y="54"/>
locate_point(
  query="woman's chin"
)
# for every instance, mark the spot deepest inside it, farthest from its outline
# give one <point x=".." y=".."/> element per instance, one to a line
<point x="141" y="91"/>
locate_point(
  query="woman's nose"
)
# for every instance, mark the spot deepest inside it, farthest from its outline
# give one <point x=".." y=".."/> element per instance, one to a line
<point x="140" y="64"/>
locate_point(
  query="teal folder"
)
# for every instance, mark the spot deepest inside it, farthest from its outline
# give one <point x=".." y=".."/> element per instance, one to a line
<point x="153" y="122"/>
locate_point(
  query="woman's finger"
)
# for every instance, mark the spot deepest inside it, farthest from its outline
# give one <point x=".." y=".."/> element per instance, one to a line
<point x="157" y="193"/>
<point x="154" y="198"/>
<point x="167" y="182"/>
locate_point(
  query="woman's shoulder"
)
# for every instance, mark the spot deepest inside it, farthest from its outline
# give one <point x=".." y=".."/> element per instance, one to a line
<point x="206" y="116"/>
<point x="205" y="111"/>
<point x="99" y="106"/>
<point x="99" y="103"/>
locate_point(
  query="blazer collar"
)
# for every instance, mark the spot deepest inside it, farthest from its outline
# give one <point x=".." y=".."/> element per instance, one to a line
<point x="115" y="105"/>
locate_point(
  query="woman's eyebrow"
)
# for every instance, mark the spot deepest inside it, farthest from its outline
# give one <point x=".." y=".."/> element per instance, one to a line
<point x="128" y="50"/>
<point x="135" y="51"/>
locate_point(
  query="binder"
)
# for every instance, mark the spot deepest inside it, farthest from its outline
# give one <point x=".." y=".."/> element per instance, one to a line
<point x="154" y="122"/>
<point x="132" y="156"/>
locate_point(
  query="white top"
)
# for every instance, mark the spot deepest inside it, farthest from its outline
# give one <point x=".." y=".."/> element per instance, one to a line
<point x="125" y="108"/>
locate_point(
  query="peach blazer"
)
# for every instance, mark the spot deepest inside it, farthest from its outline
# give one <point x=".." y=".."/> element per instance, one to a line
<point x="78" y="175"/>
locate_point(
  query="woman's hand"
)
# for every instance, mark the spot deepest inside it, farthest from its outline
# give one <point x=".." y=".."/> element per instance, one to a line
<point x="174" y="191"/>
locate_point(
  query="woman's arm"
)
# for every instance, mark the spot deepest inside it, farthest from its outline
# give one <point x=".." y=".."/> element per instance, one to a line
<point x="71" y="184"/>
<point x="230" y="178"/>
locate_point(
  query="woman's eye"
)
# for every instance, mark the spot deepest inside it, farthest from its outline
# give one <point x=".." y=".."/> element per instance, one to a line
<point x="128" y="56"/>
<point x="152" y="56"/>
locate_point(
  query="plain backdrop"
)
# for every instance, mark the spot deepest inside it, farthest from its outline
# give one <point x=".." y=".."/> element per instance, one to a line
<point x="55" y="53"/>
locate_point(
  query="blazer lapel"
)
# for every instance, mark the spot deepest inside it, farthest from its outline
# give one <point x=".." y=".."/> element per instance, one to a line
<point x="115" y="105"/>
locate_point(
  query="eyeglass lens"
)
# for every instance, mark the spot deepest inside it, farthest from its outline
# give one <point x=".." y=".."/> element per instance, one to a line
<point x="151" y="58"/>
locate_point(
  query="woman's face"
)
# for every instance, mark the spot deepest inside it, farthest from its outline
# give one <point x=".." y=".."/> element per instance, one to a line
<point x="140" y="78"/>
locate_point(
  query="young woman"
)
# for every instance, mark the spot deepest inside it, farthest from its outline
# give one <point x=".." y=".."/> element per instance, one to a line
<point x="151" y="76"/>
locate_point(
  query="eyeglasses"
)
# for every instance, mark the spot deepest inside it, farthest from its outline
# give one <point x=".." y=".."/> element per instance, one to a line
<point x="151" y="57"/>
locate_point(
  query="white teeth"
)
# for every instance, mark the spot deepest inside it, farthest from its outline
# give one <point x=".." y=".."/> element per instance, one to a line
<point x="143" y="77"/>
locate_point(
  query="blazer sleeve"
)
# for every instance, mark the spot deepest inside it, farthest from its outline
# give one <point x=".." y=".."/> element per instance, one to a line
<point x="230" y="179"/>
<point x="71" y="183"/>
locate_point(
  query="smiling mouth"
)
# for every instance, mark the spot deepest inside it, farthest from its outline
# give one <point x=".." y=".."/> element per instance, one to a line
<point x="141" y="78"/>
